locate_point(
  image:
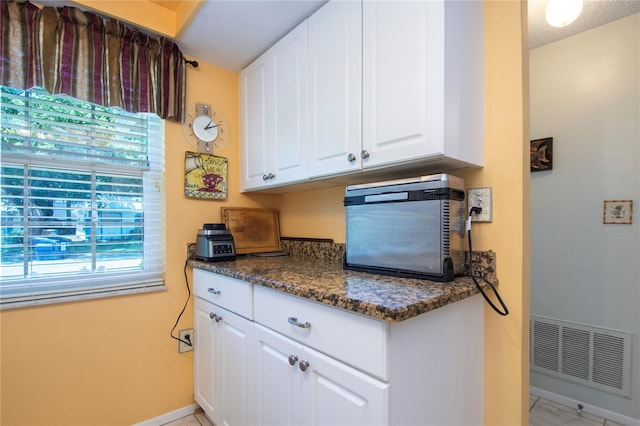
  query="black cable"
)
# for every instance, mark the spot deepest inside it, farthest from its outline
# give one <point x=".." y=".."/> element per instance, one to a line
<point x="504" y="312"/>
<point x="186" y="279"/>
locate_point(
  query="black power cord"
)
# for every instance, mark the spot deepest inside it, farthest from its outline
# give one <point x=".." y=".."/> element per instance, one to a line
<point x="505" y="311"/>
<point x="186" y="279"/>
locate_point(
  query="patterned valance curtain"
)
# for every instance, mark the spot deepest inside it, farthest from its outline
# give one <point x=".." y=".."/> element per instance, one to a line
<point x="66" y="50"/>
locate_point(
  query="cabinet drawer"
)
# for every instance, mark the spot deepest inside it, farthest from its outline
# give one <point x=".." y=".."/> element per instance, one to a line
<point x="229" y="293"/>
<point x="353" y="338"/>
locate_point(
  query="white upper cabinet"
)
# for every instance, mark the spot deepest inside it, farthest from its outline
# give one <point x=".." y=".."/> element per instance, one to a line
<point x="422" y="81"/>
<point x="274" y="114"/>
<point x="398" y="123"/>
<point x="289" y="79"/>
<point x="255" y="153"/>
<point x="389" y="83"/>
<point x="335" y="88"/>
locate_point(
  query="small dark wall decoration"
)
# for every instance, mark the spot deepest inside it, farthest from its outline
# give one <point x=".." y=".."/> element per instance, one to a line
<point x="618" y="211"/>
<point x="541" y="154"/>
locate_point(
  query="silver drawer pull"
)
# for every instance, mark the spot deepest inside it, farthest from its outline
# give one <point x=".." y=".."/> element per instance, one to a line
<point x="303" y="365"/>
<point x="293" y="359"/>
<point x="213" y="291"/>
<point x="294" y="321"/>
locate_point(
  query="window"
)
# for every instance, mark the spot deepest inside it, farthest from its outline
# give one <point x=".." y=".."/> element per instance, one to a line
<point x="82" y="199"/>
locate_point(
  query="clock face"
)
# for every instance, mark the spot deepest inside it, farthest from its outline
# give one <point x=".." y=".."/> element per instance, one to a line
<point x="206" y="130"/>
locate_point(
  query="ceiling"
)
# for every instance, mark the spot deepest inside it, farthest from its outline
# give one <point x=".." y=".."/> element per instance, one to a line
<point x="594" y="13"/>
<point x="232" y="33"/>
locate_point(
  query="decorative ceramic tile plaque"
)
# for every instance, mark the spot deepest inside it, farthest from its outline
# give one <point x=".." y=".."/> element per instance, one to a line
<point x="205" y="176"/>
<point x="617" y="211"/>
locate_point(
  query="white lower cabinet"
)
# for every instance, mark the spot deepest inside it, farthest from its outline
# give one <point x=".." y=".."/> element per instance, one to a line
<point x="296" y="385"/>
<point x="205" y="357"/>
<point x="287" y="360"/>
<point x="223" y="353"/>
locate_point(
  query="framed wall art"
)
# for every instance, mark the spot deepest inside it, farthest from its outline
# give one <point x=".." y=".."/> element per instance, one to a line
<point x="205" y="176"/>
<point x="541" y="154"/>
<point x="618" y="212"/>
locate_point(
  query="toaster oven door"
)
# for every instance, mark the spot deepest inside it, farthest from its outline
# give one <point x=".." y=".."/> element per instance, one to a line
<point x="396" y="236"/>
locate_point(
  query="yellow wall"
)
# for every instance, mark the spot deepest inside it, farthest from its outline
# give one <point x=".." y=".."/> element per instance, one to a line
<point x="111" y="361"/>
<point x="320" y="213"/>
<point x="507" y="171"/>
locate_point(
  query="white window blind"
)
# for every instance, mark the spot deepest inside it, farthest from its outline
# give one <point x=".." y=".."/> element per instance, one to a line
<point x="82" y="199"/>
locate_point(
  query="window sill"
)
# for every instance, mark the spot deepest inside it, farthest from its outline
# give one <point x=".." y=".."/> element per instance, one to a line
<point x="81" y="297"/>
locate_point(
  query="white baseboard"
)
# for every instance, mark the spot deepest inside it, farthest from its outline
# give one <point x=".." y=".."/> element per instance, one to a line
<point x="170" y="417"/>
<point x="590" y="409"/>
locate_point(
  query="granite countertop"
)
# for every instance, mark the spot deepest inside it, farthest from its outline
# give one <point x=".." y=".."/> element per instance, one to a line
<point x="324" y="280"/>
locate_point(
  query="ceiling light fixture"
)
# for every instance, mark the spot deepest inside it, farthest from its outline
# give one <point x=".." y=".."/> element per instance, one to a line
<point x="560" y="13"/>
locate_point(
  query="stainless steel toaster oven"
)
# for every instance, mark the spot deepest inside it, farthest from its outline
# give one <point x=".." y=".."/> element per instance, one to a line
<point x="408" y="227"/>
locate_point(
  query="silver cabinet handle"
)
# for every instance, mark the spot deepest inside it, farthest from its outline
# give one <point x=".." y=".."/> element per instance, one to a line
<point x="294" y="321"/>
<point x="212" y="315"/>
<point x="364" y="154"/>
<point x="293" y="359"/>
<point x="213" y="291"/>
<point x="265" y="177"/>
<point x="303" y="365"/>
<point x="215" y="317"/>
<point x="271" y="176"/>
<point x="351" y="158"/>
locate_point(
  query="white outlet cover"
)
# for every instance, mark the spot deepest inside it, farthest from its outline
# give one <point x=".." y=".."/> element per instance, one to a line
<point x="183" y="347"/>
<point x="480" y="197"/>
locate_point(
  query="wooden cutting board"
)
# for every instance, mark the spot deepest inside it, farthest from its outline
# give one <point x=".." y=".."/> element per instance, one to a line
<point x="254" y="230"/>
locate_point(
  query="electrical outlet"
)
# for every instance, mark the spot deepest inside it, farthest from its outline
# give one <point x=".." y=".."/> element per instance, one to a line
<point x="480" y="197"/>
<point x="187" y="336"/>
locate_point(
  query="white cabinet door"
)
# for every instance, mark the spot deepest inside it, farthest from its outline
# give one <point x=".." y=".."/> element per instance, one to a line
<point x="206" y="362"/>
<point x="296" y="385"/>
<point x="273" y="93"/>
<point x="423" y="82"/>
<point x="222" y="361"/>
<point x="334" y="393"/>
<point x="235" y="348"/>
<point x="276" y="379"/>
<point x="335" y="88"/>
<point x="402" y="76"/>
<point x="256" y="154"/>
<point x="288" y="111"/>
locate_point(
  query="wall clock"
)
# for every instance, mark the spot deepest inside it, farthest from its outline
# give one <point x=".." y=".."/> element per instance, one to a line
<point x="206" y="129"/>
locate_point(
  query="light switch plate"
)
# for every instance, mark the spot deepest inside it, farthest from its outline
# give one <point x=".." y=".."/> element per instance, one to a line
<point x="480" y="197"/>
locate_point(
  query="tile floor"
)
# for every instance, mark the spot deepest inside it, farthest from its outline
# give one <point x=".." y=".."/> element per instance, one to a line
<point x="542" y="412"/>
<point x="196" y="419"/>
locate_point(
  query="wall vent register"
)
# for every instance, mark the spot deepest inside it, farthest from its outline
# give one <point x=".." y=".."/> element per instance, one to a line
<point x="592" y="356"/>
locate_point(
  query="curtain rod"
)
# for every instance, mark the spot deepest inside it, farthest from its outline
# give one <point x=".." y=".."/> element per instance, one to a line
<point x="192" y="63"/>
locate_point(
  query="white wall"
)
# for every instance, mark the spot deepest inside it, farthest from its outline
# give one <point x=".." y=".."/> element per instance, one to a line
<point x="585" y="93"/>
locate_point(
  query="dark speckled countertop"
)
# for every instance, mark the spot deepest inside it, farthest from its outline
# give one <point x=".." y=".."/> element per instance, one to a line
<point x="323" y="279"/>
